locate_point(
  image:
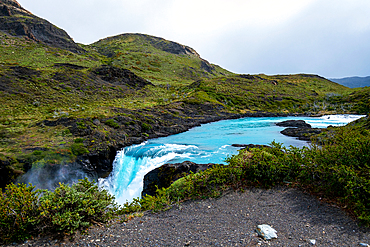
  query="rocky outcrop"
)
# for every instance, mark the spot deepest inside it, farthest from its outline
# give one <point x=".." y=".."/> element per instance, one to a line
<point x="16" y="21"/>
<point x="160" y="44"/>
<point x="299" y="128"/>
<point x="250" y="146"/>
<point x="164" y="176"/>
<point x="5" y="173"/>
<point x="303" y="134"/>
<point x="119" y="76"/>
<point x="294" y="123"/>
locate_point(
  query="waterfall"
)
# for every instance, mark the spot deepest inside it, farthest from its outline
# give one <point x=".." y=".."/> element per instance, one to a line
<point x="132" y="163"/>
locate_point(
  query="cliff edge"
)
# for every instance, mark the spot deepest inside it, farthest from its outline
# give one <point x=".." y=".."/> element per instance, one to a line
<point x="17" y="21"/>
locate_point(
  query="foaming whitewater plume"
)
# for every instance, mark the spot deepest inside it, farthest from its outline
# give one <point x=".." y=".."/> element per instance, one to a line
<point x="334" y="120"/>
<point x="49" y="176"/>
<point x="132" y="163"/>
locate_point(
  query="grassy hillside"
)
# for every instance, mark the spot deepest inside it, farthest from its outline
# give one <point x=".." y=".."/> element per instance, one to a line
<point x="39" y="82"/>
<point x="281" y="93"/>
<point x="156" y="59"/>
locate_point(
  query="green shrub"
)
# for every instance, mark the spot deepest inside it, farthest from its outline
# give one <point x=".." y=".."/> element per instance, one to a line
<point x="18" y="212"/>
<point x="81" y="125"/>
<point x="112" y="123"/>
<point x="25" y="212"/>
<point x="79" y="149"/>
<point x="146" y="126"/>
<point x="68" y="209"/>
<point x="79" y="140"/>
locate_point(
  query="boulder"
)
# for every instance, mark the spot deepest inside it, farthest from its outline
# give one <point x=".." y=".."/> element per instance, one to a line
<point x="249" y="146"/>
<point x="304" y="134"/>
<point x="266" y="232"/>
<point x="119" y="76"/>
<point x="165" y="175"/>
<point x="294" y="123"/>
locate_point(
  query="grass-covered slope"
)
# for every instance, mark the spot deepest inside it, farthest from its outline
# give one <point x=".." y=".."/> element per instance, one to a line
<point x="156" y="59"/>
<point x="282" y="93"/>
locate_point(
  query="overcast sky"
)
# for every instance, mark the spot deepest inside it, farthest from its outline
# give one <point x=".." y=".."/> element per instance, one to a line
<point x="330" y="38"/>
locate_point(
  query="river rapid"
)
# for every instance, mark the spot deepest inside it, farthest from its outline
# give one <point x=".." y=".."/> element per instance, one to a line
<point x="209" y="143"/>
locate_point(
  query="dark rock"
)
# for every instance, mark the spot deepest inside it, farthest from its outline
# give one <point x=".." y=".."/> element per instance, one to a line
<point x="5" y="173"/>
<point x="304" y="134"/>
<point x="204" y="64"/>
<point x="99" y="163"/>
<point x="249" y="146"/>
<point x="36" y="149"/>
<point x="294" y="123"/>
<point x="164" y="176"/>
<point x="24" y="72"/>
<point x="119" y="76"/>
<point x="251" y="77"/>
<point x="68" y="65"/>
<point x="96" y="122"/>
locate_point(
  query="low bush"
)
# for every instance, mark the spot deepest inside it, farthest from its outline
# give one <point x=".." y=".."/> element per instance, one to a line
<point x="146" y="127"/>
<point x="25" y="212"/>
<point x="112" y="123"/>
<point x="18" y="212"/>
<point x="69" y="208"/>
<point x="79" y="149"/>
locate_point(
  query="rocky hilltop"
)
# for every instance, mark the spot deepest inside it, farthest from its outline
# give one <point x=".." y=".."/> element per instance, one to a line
<point x="16" y="21"/>
<point x="158" y="43"/>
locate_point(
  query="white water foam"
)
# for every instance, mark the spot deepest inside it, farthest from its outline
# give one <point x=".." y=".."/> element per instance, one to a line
<point x="335" y="120"/>
<point x="132" y="163"/>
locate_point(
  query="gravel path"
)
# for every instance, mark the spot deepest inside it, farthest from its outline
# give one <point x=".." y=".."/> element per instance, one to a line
<point x="231" y="221"/>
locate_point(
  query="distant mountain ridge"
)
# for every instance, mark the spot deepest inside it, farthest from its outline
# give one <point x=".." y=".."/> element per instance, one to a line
<point x="353" y="82"/>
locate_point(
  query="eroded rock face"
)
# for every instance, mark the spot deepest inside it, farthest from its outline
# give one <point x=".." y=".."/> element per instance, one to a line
<point x="164" y="176"/>
<point x="16" y="21"/>
<point x="121" y="76"/>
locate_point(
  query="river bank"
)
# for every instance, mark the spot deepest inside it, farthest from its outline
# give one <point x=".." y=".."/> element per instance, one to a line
<point x="101" y="138"/>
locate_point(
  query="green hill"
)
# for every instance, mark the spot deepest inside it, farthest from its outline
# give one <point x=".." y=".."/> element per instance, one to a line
<point x="156" y="59"/>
